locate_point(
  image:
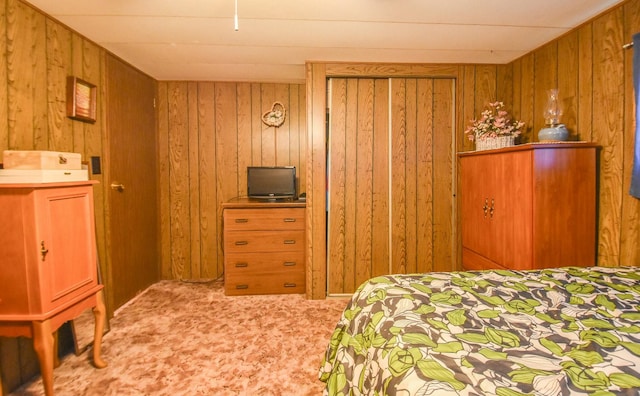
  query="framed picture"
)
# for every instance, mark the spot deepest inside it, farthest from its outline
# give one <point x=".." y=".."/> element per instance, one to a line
<point x="81" y="100"/>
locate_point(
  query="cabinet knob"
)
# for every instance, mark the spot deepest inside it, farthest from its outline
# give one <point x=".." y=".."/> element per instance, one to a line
<point x="241" y="243"/>
<point x="288" y="284"/>
<point x="289" y="220"/>
<point x="492" y="208"/>
<point x="289" y="264"/>
<point x="289" y="241"/>
<point x="43" y="250"/>
<point x="485" y="207"/>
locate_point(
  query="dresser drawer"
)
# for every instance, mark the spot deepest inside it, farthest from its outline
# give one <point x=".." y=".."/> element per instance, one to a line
<point x="264" y="219"/>
<point x="265" y="283"/>
<point x="263" y="241"/>
<point x="263" y="262"/>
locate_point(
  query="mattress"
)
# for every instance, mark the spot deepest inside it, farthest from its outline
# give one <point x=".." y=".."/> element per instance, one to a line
<point x="545" y="332"/>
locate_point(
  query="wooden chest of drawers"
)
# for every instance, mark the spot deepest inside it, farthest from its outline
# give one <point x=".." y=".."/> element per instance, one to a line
<point x="264" y="250"/>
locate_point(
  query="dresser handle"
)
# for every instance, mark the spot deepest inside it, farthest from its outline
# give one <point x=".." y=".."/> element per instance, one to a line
<point x="242" y="265"/>
<point x="290" y="284"/>
<point x="242" y="287"/>
<point x="43" y="250"/>
<point x="289" y="263"/>
<point x="289" y="220"/>
<point x="289" y="241"/>
<point x="241" y="243"/>
<point x="241" y="220"/>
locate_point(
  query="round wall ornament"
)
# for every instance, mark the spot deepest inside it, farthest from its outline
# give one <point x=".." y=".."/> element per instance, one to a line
<point x="275" y="117"/>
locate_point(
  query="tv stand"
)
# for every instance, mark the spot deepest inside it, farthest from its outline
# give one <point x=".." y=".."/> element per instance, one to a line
<point x="264" y="249"/>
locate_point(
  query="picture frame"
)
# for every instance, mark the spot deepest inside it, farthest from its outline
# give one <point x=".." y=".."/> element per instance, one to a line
<point x="81" y="100"/>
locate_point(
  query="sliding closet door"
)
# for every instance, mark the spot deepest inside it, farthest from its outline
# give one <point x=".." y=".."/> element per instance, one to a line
<point x="390" y="178"/>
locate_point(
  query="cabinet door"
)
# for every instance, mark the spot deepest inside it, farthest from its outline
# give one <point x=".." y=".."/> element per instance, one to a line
<point x="512" y="210"/>
<point x="65" y="238"/>
<point x="496" y="208"/>
<point x="479" y="175"/>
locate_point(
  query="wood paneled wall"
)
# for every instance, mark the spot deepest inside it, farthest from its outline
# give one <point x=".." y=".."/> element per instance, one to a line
<point x="594" y="75"/>
<point x="209" y="134"/>
<point x="37" y="55"/>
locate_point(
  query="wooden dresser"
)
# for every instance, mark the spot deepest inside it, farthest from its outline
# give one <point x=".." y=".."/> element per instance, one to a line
<point x="529" y="206"/>
<point x="264" y="249"/>
<point x="48" y="265"/>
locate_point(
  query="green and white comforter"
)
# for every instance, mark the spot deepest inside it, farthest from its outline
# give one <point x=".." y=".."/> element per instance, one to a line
<point x="549" y="332"/>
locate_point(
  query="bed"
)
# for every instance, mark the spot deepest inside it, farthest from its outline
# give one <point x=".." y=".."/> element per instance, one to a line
<point x="545" y="332"/>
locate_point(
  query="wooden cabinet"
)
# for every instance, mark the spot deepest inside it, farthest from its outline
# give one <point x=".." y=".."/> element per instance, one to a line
<point x="529" y="206"/>
<point x="48" y="265"/>
<point x="264" y="248"/>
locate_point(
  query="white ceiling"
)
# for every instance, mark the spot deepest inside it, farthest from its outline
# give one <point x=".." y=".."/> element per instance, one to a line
<point x="196" y="40"/>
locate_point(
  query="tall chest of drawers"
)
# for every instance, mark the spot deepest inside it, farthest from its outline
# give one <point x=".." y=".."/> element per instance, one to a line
<point x="264" y="248"/>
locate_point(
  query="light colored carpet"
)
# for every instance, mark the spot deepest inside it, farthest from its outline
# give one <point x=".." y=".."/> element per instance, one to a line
<point x="180" y="338"/>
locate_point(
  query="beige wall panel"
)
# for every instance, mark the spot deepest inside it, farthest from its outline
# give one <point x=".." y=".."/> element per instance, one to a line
<point x="364" y="170"/>
<point x="630" y="217"/>
<point x="256" y="125"/>
<point x="210" y="227"/>
<point x="608" y="86"/>
<point x="226" y="129"/>
<point x="527" y="97"/>
<point x="351" y="131"/>
<point x="337" y="185"/>
<point x="546" y="77"/>
<point x="164" y="182"/>
<point x="294" y="134"/>
<point x="194" y="181"/>
<point x="283" y="132"/>
<point x="568" y="81"/>
<point x="425" y="130"/>
<point x="411" y="170"/>
<point x="584" y="127"/>
<point x="26" y="64"/>
<point x="243" y="91"/>
<point x="504" y="86"/>
<point x="468" y="111"/>
<point x="398" y="176"/>
<point x="58" y="47"/>
<point x="443" y="213"/>
<point x="77" y="69"/>
<point x="269" y="146"/>
<point x="180" y="224"/>
<point x="380" y="187"/>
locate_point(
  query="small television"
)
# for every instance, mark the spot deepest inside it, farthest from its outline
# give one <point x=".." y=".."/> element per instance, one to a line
<point x="271" y="182"/>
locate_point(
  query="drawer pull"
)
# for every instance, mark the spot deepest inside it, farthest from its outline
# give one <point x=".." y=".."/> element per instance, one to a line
<point x="242" y="287"/>
<point x="242" y="265"/>
<point x="241" y="220"/>
<point x="289" y="263"/>
<point x="241" y="243"/>
<point x="288" y="284"/>
<point x="289" y="241"/>
<point x="289" y="220"/>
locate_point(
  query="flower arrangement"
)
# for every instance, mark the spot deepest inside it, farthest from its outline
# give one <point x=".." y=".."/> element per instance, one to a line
<point x="494" y="123"/>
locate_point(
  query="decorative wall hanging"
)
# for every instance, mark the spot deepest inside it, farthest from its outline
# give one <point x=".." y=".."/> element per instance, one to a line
<point x="81" y="100"/>
<point x="275" y="117"/>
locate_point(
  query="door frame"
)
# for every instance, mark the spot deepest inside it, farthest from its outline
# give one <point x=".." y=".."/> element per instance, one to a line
<point x="317" y="74"/>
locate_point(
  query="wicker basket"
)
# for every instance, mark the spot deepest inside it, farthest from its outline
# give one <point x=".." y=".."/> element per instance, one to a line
<point x="494" y="143"/>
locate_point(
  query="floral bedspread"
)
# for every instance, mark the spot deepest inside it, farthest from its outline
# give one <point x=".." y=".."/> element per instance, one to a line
<point x="548" y="332"/>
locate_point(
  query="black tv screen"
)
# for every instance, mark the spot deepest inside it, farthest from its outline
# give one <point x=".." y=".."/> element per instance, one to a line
<point x="271" y="182"/>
